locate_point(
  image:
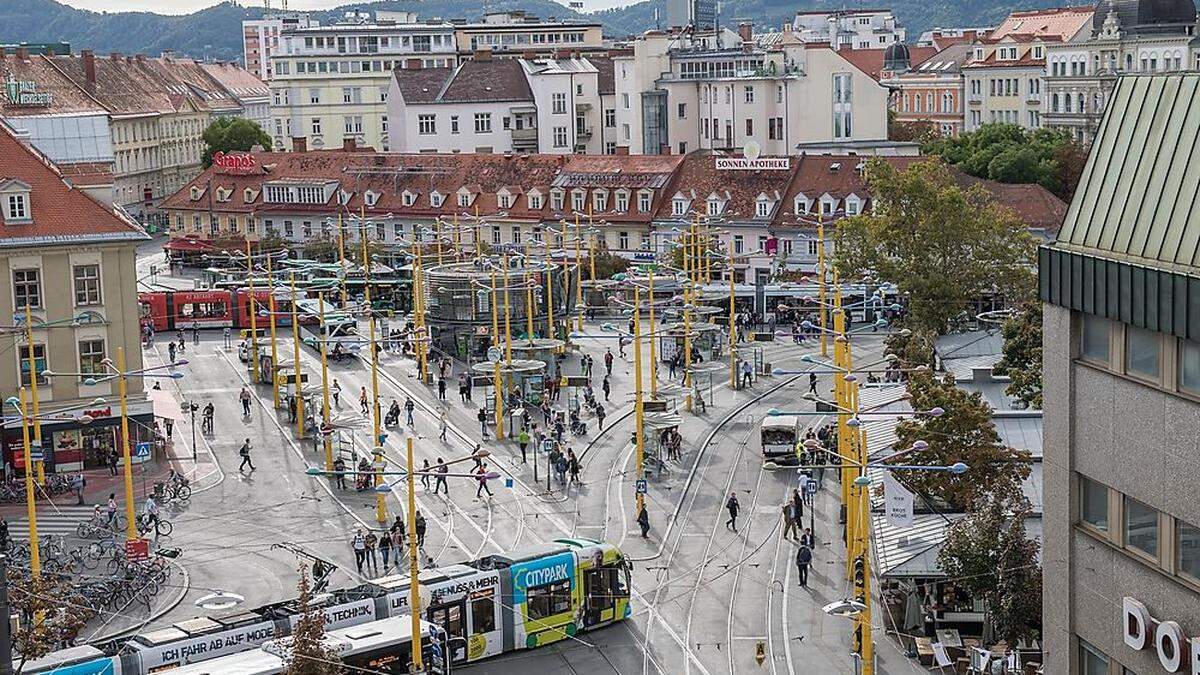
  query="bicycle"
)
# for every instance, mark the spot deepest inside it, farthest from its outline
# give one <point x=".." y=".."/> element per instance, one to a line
<point x="162" y="528"/>
<point x="99" y="529"/>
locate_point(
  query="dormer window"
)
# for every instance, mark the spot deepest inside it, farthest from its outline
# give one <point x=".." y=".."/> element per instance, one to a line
<point x="801" y="205"/>
<point x="577" y="200"/>
<point x="223" y="194"/>
<point x="195" y="193"/>
<point x="436" y="199"/>
<point x="600" y="200"/>
<point x="465" y="197"/>
<point x="714" y="207"/>
<point x="853" y="205"/>
<point x="535" y="200"/>
<point x="621" y="197"/>
<point x="249" y="195"/>
<point x="505" y="199"/>
<point x="679" y="206"/>
<point x="556" y="200"/>
<point x="407" y="198"/>
<point x="644" y="199"/>
<point x="16" y="208"/>
<point x="762" y="208"/>
<point x="370" y="198"/>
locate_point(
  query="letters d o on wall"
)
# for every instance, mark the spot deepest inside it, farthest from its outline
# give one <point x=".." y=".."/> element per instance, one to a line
<point x="1176" y="652"/>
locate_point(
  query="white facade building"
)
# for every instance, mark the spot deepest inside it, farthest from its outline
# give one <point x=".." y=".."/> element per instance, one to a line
<point x="849" y="29"/>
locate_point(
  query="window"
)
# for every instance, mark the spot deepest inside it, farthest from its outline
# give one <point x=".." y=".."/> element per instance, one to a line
<point x="556" y="200"/>
<point x="483" y="123"/>
<point x="504" y="200"/>
<point x="39" y="363"/>
<point x="87" y="284"/>
<point x="1188" y="355"/>
<point x="558" y="104"/>
<point x="842" y="99"/>
<point x="17" y="207"/>
<point x="678" y="207"/>
<point x="543" y="602"/>
<point x="643" y="201"/>
<point x="516" y="234"/>
<point x="623" y="240"/>
<point x="749" y="94"/>
<point x="1142" y="352"/>
<point x="408" y="198"/>
<point x="1093" y="503"/>
<point x="625" y="131"/>
<point x="1094" y="343"/>
<point x="495" y="234"/>
<point x="714" y="207"/>
<point x="314" y="95"/>
<point x="427" y="124"/>
<point x="316" y="126"/>
<point x="560" y="137"/>
<point x="577" y="198"/>
<point x="436" y="199"/>
<point x="1141" y="527"/>
<point x="622" y="202"/>
<point x="762" y="208"/>
<point x="1092" y="661"/>
<point x="91" y="353"/>
<point x="483" y="615"/>
<point x="1187" y="557"/>
<point x="625" y="101"/>
<point x="27" y="289"/>
<point x="535" y="202"/>
<point x="738" y="243"/>
<point x="464" y="199"/>
<point x="600" y="201"/>
<point x="682" y="110"/>
<point x="749" y="127"/>
<point x="610" y="117"/>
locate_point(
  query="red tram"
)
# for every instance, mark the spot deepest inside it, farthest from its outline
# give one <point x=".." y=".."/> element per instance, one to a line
<point x="217" y="308"/>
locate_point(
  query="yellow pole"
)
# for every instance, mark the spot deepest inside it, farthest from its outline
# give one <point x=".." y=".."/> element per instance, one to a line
<point x="687" y="347"/>
<point x="380" y="497"/>
<point x="639" y="414"/>
<point x="322" y="335"/>
<point x="274" y="349"/>
<point x="549" y="290"/>
<point x="342" y="259"/>
<point x="653" y="337"/>
<point x="821" y="281"/>
<point x="131" y="532"/>
<point x="592" y="257"/>
<point x="732" y="323"/>
<point x="35" y="556"/>
<point x="499" y="395"/>
<point x="437" y="237"/>
<point x="419" y="307"/>
<point x="414" y="588"/>
<point x="507" y="319"/>
<point x="33" y="388"/>
<point x="528" y="299"/>
<point x="579" y="272"/>
<point x="296" y="364"/>
<point x="253" y="318"/>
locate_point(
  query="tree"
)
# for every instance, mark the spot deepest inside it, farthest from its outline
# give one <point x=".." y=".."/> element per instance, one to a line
<point x="989" y="554"/>
<point x="309" y="655"/>
<point x="1012" y="154"/>
<point x="51" y="614"/>
<point x="962" y="433"/>
<point x="914" y="348"/>
<point x="229" y="134"/>
<point x="1022" y="358"/>
<point x="920" y="131"/>
<point x="941" y="244"/>
<point x="607" y="264"/>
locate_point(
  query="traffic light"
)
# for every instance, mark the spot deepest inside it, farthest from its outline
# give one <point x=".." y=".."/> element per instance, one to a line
<point x="860" y="576"/>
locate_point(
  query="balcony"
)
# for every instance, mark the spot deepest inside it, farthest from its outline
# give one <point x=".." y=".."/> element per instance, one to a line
<point x="1033" y="99"/>
<point x="525" y="140"/>
<point x="583" y="133"/>
<point x="975" y="99"/>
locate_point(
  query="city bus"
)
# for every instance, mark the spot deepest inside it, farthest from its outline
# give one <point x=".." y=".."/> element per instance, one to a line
<point x="779" y="435"/>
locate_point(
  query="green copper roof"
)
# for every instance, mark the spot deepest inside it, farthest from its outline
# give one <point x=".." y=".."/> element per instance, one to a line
<point x="1137" y="199"/>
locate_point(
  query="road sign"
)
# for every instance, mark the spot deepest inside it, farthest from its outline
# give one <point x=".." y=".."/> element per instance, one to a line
<point x="810" y="486"/>
<point x="35" y="451"/>
<point x="142" y="450"/>
<point x="494" y="354"/>
<point x="641" y="486"/>
<point x="137" y="550"/>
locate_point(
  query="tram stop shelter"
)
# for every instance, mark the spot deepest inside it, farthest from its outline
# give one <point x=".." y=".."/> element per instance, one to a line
<point x="657" y="428"/>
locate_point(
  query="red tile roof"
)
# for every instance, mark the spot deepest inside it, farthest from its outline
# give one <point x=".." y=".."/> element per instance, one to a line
<point x="65" y="96"/>
<point x="474" y="81"/>
<point x="698" y="178"/>
<point x="237" y="80"/>
<point x="870" y="61"/>
<point x="1060" y="22"/>
<point x="61" y="214"/>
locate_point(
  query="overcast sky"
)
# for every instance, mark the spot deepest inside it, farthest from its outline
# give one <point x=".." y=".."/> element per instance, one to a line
<point x="188" y="6"/>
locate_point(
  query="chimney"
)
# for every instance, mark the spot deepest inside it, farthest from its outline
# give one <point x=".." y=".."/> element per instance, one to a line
<point x="299" y="144"/>
<point x="348" y="144"/>
<point x="22" y="53"/>
<point x="140" y="57"/>
<point x="167" y="54"/>
<point x="622" y="150"/>
<point x="746" y="30"/>
<point x="89" y="71"/>
<point x="115" y="56"/>
<point x="483" y="55"/>
<point x="412" y="64"/>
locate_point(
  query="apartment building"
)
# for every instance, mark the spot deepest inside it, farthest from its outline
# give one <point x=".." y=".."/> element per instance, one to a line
<point x="69" y="257"/>
<point x="251" y="94"/>
<point x="516" y="33"/>
<point x="1006" y="71"/>
<point x="1134" y="36"/>
<point x="849" y="28"/>
<point x="331" y="82"/>
<point x="931" y="91"/>
<point x="260" y="40"/>
<point x="676" y="96"/>
<point x="697" y="14"/>
<point x="1121" y="365"/>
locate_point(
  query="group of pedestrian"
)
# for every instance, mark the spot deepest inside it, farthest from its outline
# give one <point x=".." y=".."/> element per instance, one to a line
<point x="389" y="545"/>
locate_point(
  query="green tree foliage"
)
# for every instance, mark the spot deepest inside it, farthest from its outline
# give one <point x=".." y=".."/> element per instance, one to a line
<point x="990" y="555"/>
<point x="1012" y="154"/>
<point x="51" y="614"/>
<point x="607" y="265"/>
<point x="914" y="348"/>
<point x="1022" y="359"/>
<point x="309" y="655"/>
<point x="232" y="134"/>
<point x="941" y="244"/>
<point x="962" y="433"/>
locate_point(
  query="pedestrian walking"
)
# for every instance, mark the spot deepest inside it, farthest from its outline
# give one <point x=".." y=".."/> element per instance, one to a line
<point x="245" y="454"/>
<point x="226" y="334"/>
<point x="470" y="386"/>
<point x="195" y="333"/>
<point x="523" y="442"/>
<point x="419" y="523"/>
<point x="443" y="425"/>
<point x="442" y="388"/>
<point x="482" y="416"/>
<point x="425" y="468"/>
<point x="171" y="351"/>
<point x="803" y="560"/>
<point x="337" y="394"/>
<point x="111" y="509"/>
<point x="339" y="467"/>
<point x="789" y="520"/>
<point x="732" y="506"/>
<point x="397" y="536"/>
<point x="441" y="485"/>
<point x="77" y="484"/>
<point x="606" y="387"/>
<point x="385" y="549"/>
<point x="462" y="386"/>
<point x="359" y="544"/>
<point x="244" y="396"/>
<point x="643" y="521"/>
<point x="362" y="400"/>
<point x="807" y="538"/>
<point x="747" y="374"/>
<point x="370" y="543"/>
<point x="481" y="476"/>
<point x="608" y="361"/>
<point x="573" y="465"/>
<point x="812" y="383"/>
<point x="409" y="407"/>
<point x="798" y="506"/>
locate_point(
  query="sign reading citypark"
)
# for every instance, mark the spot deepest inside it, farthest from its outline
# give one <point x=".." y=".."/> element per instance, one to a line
<point x="25" y="93"/>
<point x="1176" y="652"/>
<point x="231" y="163"/>
<point x="757" y="164"/>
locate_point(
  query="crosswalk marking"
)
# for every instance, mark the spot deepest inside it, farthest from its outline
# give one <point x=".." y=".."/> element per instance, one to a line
<point x="60" y="521"/>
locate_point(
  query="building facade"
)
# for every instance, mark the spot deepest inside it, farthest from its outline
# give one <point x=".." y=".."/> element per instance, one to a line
<point x="1121" y="365"/>
<point x="697" y="14"/>
<point x="1124" y="38"/>
<point x="850" y="29"/>
<point x="260" y="40"/>
<point x="69" y="257"/>
<point x="515" y="33"/>
<point x="930" y="92"/>
<point x="1005" y="72"/>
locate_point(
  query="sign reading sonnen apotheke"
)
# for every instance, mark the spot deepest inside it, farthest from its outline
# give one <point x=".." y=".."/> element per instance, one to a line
<point x="25" y="93"/>
<point x="1176" y="652"/>
<point x="756" y="164"/>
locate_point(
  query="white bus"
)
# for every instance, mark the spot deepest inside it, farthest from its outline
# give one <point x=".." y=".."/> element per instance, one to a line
<point x="779" y="435"/>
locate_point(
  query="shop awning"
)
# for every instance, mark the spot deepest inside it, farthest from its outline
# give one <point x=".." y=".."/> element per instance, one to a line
<point x="659" y="421"/>
<point x="165" y="405"/>
<point x="187" y="245"/>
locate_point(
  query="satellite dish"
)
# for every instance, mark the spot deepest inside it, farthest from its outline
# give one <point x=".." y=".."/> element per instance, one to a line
<point x="751" y="150"/>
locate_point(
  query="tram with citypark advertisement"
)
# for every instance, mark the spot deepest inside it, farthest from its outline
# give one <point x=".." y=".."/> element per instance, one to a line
<point x="518" y="600"/>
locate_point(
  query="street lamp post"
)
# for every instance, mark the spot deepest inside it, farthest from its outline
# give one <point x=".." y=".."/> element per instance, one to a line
<point x="33" y="387"/>
<point x="35" y="557"/>
<point x="638" y="408"/>
<point x="253" y="319"/>
<point x="325" y="428"/>
<point x="274" y="350"/>
<point x="299" y="395"/>
<point x="414" y="586"/>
